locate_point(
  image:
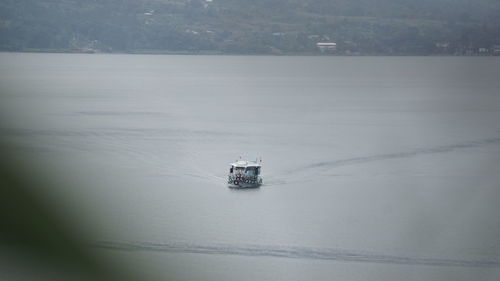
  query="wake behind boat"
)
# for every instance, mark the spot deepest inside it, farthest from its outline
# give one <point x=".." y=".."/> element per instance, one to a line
<point x="245" y="174"/>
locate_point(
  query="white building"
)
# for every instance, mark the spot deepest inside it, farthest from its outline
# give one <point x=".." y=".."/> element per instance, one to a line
<point x="323" y="46"/>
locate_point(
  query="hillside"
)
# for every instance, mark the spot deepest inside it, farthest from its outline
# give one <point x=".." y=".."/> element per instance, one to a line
<point x="403" y="27"/>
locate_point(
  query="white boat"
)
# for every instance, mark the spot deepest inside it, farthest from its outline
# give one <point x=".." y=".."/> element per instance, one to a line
<point x="245" y="174"/>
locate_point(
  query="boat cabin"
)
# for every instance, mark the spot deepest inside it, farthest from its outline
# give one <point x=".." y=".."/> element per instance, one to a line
<point x="244" y="173"/>
<point x="245" y="168"/>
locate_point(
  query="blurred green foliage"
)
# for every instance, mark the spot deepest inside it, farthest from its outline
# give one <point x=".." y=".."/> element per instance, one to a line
<point x="38" y="241"/>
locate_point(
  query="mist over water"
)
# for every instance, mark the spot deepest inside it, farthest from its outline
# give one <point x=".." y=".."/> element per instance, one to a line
<point x="374" y="167"/>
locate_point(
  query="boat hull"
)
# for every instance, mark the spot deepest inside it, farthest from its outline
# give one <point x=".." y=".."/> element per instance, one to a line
<point x="239" y="183"/>
<point x="245" y="185"/>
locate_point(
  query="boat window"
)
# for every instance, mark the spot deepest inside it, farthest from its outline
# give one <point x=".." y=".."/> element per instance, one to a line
<point x="231" y="170"/>
<point x="240" y="170"/>
<point x="251" y="171"/>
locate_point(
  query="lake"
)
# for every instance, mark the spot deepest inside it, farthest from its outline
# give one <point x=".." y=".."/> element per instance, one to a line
<point x="374" y="168"/>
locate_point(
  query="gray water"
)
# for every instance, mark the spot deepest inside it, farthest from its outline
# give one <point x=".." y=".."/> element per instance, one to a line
<point x="375" y="168"/>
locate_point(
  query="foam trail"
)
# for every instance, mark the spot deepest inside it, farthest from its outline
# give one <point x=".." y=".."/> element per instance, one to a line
<point x="290" y="252"/>
<point x="399" y="155"/>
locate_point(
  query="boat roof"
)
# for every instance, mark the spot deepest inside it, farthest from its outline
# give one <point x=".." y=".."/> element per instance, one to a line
<point x="243" y="163"/>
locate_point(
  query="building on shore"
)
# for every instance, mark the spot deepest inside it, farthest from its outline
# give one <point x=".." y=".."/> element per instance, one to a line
<point x="326" y="47"/>
<point x="496" y="50"/>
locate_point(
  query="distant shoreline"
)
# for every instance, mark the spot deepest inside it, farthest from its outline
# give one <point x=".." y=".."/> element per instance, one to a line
<point x="219" y="53"/>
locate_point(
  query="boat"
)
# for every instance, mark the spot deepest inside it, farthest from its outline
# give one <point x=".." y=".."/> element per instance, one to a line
<point x="243" y="174"/>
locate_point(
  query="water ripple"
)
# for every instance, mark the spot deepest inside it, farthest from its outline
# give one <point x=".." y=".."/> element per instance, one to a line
<point x="290" y="252"/>
<point x="405" y="154"/>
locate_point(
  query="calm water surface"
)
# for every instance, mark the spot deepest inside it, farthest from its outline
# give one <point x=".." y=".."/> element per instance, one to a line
<point x="375" y="168"/>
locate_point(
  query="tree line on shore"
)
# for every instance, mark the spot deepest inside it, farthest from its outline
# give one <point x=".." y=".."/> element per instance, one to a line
<point x="365" y="27"/>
